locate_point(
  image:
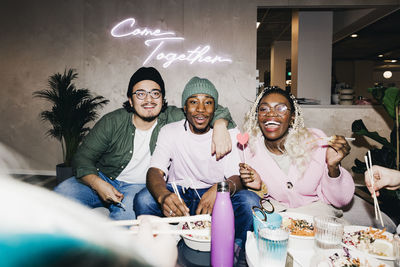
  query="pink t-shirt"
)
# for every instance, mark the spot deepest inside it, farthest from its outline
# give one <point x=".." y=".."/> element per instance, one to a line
<point x="188" y="157"/>
<point x="298" y="191"/>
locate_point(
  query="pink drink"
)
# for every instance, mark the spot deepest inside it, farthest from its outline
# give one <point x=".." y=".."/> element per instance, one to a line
<point x="222" y="228"/>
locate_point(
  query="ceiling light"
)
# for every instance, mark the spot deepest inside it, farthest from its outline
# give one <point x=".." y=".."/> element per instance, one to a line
<point x="258" y="24"/>
<point x="393" y="60"/>
<point x="354" y="35"/>
<point x="380" y="55"/>
<point x="387" y="74"/>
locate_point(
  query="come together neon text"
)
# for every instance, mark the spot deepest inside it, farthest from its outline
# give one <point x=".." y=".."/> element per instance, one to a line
<point x="158" y="39"/>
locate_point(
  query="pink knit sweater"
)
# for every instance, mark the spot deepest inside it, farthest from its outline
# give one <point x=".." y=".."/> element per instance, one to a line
<point x="314" y="185"/>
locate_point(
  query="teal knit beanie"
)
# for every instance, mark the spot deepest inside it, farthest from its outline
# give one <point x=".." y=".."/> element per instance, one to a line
<point x="198" y="85"/>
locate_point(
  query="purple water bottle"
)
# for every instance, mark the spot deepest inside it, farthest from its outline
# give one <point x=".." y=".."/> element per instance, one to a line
<point x="222" y="228"/>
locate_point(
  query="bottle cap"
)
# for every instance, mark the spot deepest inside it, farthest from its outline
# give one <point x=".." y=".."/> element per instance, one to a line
<point x="223" y="187"/>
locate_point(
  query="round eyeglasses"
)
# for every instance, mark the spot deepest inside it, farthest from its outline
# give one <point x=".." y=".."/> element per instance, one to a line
<point x="280" y="109"/>
<point x="266" y="207"/>
<point x="142" y="94"/>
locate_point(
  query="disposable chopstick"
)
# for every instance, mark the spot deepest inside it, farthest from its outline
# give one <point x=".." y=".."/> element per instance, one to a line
<point x="176" y="191"/>
<point x="368" y="162"/>
<point x="328" y="138"/>
<point x="180" y="199"/>
<point x="197" y="232"/>
<point x="195" y="218"/>
<point x="372" y="178"/>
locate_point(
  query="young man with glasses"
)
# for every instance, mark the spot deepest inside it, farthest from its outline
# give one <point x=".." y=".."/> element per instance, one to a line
<point x="111" y="163"/>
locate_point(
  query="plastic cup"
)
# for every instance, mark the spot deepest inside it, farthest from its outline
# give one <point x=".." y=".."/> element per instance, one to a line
<point x="272" y="246"/>
<point x="328" y="232"/>
<point x="396" y="250"/>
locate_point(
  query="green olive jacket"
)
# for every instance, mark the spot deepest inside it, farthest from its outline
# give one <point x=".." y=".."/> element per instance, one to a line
<point x="108" y="147"/>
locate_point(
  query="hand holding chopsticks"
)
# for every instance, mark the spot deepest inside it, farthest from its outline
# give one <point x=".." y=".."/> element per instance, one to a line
<point x="337" y="149"/>
<point x="172" y="204"/>
<point x="174" y="186"/>
<point x="368" y="162"/>
<point x="383" y="178"/>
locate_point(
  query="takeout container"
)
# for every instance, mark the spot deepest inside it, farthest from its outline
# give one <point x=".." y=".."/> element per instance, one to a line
<point x="197" y="244"/>
<point x="301" y="242"/>
<point x="389" y="259"/>
<point x="298" y="242"/>
<point x="323" y="258"/>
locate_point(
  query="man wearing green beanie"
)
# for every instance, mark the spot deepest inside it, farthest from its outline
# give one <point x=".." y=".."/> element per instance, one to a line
<point x="181" y="157"/>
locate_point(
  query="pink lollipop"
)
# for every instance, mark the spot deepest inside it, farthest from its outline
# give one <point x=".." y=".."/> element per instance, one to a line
<point x="243" y="139"/>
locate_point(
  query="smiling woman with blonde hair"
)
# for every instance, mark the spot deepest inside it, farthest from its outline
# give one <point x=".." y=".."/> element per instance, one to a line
<point x="299" y="166"/>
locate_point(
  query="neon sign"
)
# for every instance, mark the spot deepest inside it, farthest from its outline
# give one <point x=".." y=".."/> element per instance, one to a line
<point x="157" y="39"/>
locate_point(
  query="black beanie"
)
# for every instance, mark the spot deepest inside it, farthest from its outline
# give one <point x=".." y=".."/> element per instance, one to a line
<point x="142" y="74"/>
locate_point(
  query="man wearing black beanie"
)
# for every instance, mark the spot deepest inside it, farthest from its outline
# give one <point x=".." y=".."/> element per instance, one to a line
<point x="111" y="163"/>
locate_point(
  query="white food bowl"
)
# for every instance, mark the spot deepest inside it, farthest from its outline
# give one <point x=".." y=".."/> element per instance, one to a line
<point x="297" y="242"/>
<point x="196" y="243"/>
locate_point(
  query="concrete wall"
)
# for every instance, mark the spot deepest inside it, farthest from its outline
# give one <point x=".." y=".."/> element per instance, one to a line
<point x="41" y="38"/>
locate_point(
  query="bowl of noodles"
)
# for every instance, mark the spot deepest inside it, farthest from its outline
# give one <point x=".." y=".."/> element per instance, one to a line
<point x="198" y="242"/>
<point x="301" y="228"/>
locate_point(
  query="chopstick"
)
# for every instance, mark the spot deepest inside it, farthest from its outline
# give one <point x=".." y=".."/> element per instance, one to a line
<point x="328" y="138"/>
<point x="368" y="163"/>
<point x="176" y="191"/>
<point x="195" y="218"/>
<point x="180" y="199"/>
<point x="197" y="232"/>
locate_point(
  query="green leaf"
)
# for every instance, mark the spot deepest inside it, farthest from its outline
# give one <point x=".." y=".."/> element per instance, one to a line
<point x="391" y="101"/>
<point x="377" y="92"/>
<point x="359" y="167"/>
<point x="358" y="127"/>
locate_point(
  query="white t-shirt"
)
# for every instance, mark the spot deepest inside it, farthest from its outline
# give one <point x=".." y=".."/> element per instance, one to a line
<point x="282" y="160"/>
<point x="188" y="157"/>
<point x="136" y="170"/>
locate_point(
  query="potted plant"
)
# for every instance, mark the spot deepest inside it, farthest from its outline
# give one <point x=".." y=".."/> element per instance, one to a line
<point x="71" y="110"/>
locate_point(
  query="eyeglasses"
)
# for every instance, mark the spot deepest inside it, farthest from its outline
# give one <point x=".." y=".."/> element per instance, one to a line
<point x="142" y="94"/>
<point x="280" y="109"/>
<point x="265" y="208"/>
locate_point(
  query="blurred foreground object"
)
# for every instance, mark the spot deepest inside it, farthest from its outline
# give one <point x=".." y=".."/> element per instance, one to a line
<point x="41" y="228"/>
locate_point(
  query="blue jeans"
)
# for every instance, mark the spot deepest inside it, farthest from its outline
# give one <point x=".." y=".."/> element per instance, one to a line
<point x="73" y="189"/>
<point x="242" y="202"/>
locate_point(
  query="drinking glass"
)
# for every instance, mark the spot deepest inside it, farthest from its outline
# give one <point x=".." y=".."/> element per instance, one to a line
<point x="262" y="220"/>
<point x="328" y="232"/>
<point x="396" y="250"/>
<point x="272" y="246"/>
